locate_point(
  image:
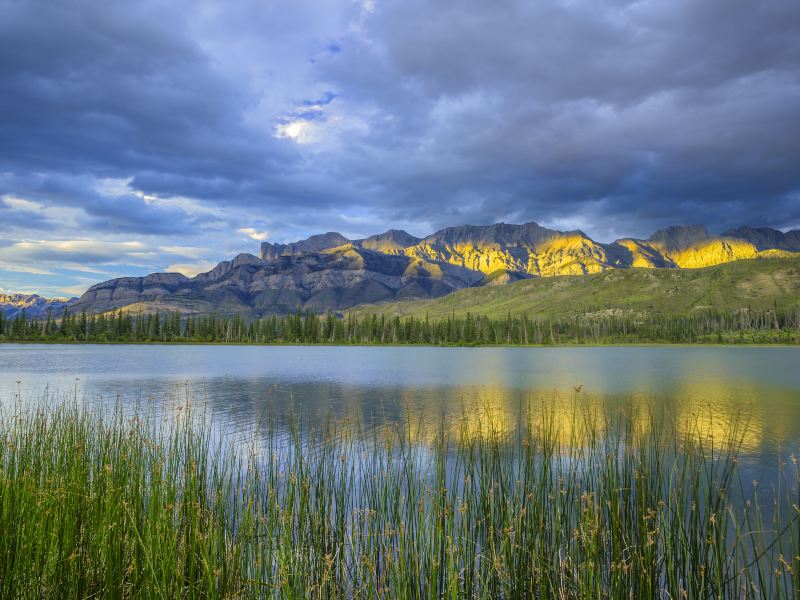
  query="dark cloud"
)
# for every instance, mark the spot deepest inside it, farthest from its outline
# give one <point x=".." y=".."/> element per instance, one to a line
<point x="13" y="218"/>
<point x="115" y="211"/>
<point x="647" y="112"/>
<point x="617" y="117"/>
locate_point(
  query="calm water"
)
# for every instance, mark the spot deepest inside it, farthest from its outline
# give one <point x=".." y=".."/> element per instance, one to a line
<point x="242" y="385"/>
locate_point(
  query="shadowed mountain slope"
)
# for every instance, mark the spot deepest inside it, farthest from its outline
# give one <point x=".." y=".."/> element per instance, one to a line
<point x="319" y="281"/>
<point x="765" y="238"/>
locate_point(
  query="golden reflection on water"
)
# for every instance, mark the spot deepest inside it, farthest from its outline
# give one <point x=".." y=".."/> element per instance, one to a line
<point x="711" y="412"/>
<point x="710" y="394"/>
<point x="708" y="410"/>
<point x="699" y="406"/>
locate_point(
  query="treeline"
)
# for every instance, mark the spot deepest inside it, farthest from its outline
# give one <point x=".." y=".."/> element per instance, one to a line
<point x="744" y="326"/>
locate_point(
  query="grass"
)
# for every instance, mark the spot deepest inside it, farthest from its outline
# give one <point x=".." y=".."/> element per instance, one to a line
<point x="98" y="504"/>
<point x="759" y="284"/>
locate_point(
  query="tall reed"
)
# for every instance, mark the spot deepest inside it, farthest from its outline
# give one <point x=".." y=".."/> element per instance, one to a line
<point x="94" y="504"/>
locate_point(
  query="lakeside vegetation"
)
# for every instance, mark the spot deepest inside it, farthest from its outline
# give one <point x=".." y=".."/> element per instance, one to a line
<point x="775" y="325"/>
<point x="99" y="504"/>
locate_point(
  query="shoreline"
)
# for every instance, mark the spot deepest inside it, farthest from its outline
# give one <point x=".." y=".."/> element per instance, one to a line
<point x="367" y="345"/>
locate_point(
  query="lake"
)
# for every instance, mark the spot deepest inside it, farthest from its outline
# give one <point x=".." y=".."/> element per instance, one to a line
<point x="331" y="456"/>
<point x="243" y="386"/>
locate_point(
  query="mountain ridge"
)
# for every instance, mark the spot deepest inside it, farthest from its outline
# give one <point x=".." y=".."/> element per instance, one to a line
<point x="332" y="279"/>
<point x="329" y="272"/>
<point x="530" y="250"/>
<point x="34" y="305"/>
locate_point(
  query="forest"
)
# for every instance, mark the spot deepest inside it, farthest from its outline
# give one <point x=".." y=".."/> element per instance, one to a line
<point x="745" y="326"/>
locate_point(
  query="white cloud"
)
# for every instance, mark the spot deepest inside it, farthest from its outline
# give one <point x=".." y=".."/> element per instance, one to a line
<point x="22" y="204"/>
<point x="185" y="251"/>
<point x="253" y="233"/>
<point x="41" y="257"/>
<point x="34" y="248"/>
<point x="113" y="186"/>
<point x="21" y="268"/>
<point x="51" y="215"/>
<point x="83" y="268"/>
<point x="190" y="269"/>
<point x="78" y="289"/>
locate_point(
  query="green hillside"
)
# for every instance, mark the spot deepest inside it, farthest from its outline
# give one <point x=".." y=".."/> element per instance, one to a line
<point x="759" y="284"/>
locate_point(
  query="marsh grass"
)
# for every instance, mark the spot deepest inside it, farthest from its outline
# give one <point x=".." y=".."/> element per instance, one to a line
<point x="105" y="504"/>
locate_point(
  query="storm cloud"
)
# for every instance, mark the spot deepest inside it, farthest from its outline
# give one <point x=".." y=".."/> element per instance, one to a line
<point x="169" y="123"/>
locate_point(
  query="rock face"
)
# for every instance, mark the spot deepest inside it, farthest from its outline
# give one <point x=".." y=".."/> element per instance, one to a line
<point x="692" y="247"/>
<point x="331" y="272"/>
<point x="390" y="242"/>
<point x="315" y="243"/>
<point x="530" y="250"/>
<point x="128" y="291"/>
<point x="527" y="250"/>
<point x="678" y="237"/>
<point x="35" y="306"/>
<point x="524" y="250"/>
<point x="765" y="238"/>
<point x="334" y="279"/>
<point x="393" y="241"/>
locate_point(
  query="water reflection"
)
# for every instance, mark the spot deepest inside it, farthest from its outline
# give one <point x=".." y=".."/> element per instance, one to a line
<point x="709" y="393"/>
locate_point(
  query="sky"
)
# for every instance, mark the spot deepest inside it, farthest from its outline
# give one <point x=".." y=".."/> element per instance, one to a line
<point x="149" y="136"/>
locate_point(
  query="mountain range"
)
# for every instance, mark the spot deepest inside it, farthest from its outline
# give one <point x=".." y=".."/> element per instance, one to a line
<point x="35" y="306"/>
<point x="531" y="250"/>
<point x="331" y="272"/>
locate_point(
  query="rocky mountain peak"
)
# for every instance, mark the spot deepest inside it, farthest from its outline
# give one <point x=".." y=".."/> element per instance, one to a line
<point x="391" y="240"/>
<point x="527" y="234"/>
<point x="226" y="266"/>
<point x="766" y="238"/>
<point x="34" y="305"/>
<point x="315" y="243"/>
<point x="678" y="237"/>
